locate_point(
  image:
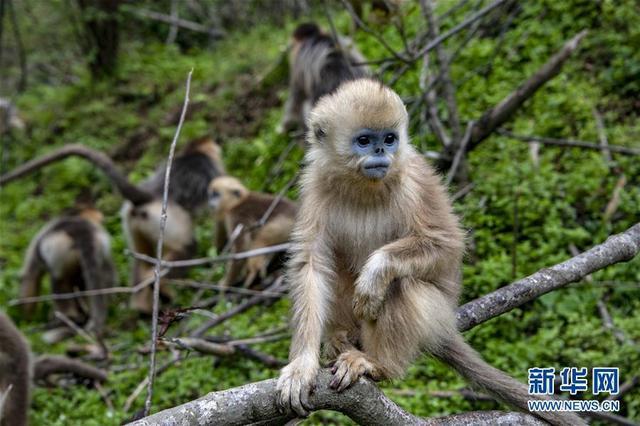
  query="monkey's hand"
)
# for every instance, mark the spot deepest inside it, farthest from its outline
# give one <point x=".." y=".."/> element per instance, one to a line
<point x="295" y="384"/>
<point x="370" y="288"/>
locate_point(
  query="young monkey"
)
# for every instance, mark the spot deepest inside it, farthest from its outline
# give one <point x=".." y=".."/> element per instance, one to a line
<point x="233" y="204"/>
<point x="376" y="265"/>
<point x="76" y="252"/>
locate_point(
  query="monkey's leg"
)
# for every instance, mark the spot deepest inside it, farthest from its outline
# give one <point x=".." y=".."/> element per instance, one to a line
<point x="310" y="275"/>
<point x="343" y="329"/>
<point x="142" y="300"/>
<point x="415" y="315"/>
<point x="70" y="307"/>
<point x="33" y="271"/>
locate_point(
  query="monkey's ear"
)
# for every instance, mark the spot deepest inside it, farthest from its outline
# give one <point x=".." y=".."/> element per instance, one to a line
<point x="319" y="133"/>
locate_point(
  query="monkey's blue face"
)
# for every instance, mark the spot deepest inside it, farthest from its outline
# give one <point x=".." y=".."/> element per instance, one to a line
<point x="375" y="149"/>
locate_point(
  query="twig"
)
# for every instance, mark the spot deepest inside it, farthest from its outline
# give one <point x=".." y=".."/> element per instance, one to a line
<point x="455" y="30"/>
<point x="86" y="293"/>
<point x="179" y="22"/>
<point x="375" y="35"/>
<point x="218" y="259"/>
<point x="238" y="290"/>
<point x="73" y="326"/>
<point x="459" y="154"/>
<point x="462" y="192"/>
<point x="448" y="90"/>
<point x="156" y="269"/>
<point x="568" y="142"/>
<point x="617" y="248"/>
<point x="500" y="113"/>
<point x="602" y="137"/>
<point x="267" y="214"/>
<point x="255" y="300"/>
<point x="138" y="390"/>
<point x="173" y="30"/>
<point x="614" y="202"/>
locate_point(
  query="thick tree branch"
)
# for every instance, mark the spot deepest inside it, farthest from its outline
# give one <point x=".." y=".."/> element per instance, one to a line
<point x="363" y="402"/>
<point x="497" y="115"/>
<point x="617" y="248"/>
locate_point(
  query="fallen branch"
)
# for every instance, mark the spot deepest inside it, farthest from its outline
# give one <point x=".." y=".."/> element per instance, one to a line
<point x="179" y="22"/>
<point x="47" y="365"/>
<point x="500" y="113"/>
<point x="363" y="402"/>
<point x="617" y="248"/>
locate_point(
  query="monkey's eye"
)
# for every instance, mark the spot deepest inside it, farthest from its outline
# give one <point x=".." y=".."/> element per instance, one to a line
<point x="236" y="193"/>
<point x="390" y="139"/>
<point x="363" y="141"/>
<point x="215" y="194"/>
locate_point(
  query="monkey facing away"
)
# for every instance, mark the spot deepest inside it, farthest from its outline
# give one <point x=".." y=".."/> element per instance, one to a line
<point x="18" y="369"/>
<point x="233" y="204"/>
<point x="376" y="264"/>
<point x="198" y="163"/>
<point x="75" y="251"/>
<point x="318" y="65"/>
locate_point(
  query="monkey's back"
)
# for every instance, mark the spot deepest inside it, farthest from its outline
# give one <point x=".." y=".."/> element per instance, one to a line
<point x="256" y="205"/>
<point x="190" y="177"/>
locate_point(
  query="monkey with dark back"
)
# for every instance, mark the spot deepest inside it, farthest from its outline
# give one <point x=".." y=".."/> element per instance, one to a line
<point x="18" y="368"/>
<point x="75" y="251"/>
<point x="233" y="204"/>
<point x="375" y="268"/>
<point x="199" y="162"/>
<point x="318" y="65"/>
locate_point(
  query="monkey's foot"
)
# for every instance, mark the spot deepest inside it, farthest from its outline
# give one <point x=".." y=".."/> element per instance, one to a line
<point x="348" y="368"/>
<point x="295" y="384"/>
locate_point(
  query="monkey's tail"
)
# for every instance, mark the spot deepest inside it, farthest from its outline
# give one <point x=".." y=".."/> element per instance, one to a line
<point x="128" y="190"/>
<point x="46" y="365"/>
<point x="466" y="361"/>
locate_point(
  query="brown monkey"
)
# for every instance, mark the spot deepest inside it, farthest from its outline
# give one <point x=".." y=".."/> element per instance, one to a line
<point x="235" y="205"/>
<point x="76" y="252"/>
<point x="191" y="173"/>
<point x="17" y="369"/>
<point x="376" y="264"/>
<point x="318" y="65"/>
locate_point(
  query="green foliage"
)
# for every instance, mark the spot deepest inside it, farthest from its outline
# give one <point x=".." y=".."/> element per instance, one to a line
<point x="520" y="217"/>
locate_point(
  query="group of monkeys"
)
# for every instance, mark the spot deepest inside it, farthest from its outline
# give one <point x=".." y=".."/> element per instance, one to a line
<point x="375" y="266"/>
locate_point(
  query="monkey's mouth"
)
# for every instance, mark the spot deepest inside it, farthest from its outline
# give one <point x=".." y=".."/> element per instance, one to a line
<point x="376" y="170"/>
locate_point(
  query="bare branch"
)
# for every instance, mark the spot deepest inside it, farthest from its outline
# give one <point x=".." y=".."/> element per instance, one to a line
<point x="157" y="268"/>
<point x="363" y="402"/>
<point x="569" y="142"/>
<point x="368" y="30"/>
<point x="179" y="22"/>
<point x="255" y="300"/>
<point x="617" y="248"/>
<point x="602" y="137"/>
<point x="455" y="30"/>
<point x="218" y="259"/>
<point x="448" y="90"/>
<point x="502" y="112"/>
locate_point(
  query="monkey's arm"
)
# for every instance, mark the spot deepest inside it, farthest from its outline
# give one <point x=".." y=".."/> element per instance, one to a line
<point x="310" y="274"/>
<point x="418" y="255"/>
<point x="31" y="279"/>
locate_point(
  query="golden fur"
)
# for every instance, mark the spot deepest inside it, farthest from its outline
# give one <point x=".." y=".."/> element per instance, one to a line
<point x="237" y="205"/>
<point x="375" y="268"/>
